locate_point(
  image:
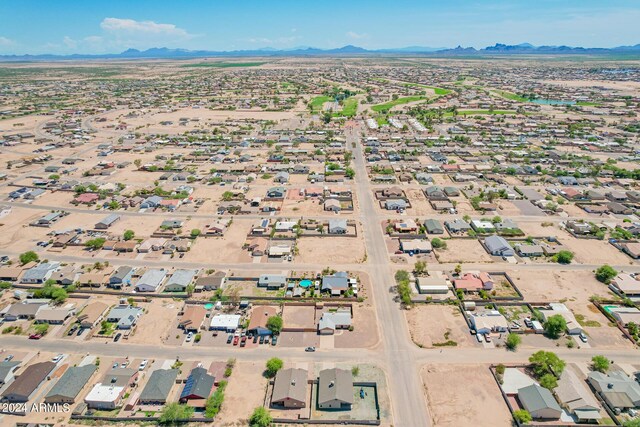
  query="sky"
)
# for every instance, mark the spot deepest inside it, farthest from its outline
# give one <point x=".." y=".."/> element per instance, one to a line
<point x="112" y="26"/>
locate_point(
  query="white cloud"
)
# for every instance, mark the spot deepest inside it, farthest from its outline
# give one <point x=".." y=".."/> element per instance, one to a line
<point x="132" y="27"/>
<point x="276" y="41"/>
<point x="93" y="39"/>
<point x="6" y="42"/>
<point x="69" y="42"/>
<point x="357" y="36"/>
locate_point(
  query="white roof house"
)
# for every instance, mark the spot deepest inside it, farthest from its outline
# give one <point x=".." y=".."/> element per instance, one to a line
<point x="151" y="280"/>
<point x="104" y="396"/>
<point x="490" y="321"/>
<point x="225" y="322"/>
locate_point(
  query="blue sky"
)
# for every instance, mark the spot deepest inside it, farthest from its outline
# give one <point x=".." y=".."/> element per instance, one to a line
<point x="96" y="26"/>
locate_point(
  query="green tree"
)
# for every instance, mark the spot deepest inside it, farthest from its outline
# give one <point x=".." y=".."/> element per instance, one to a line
<point x="195" y="232"/>
<point x="605" y="273"/>
<point x="29" y="256"/>
<point x="600" y="363"/>
<point x="96" y="243"/>
<point x="513" y="341"/>
<point x="260" y="417"/>
<point x="41" y="328"/>
<point x="564" y="257"/>
<point x="273" y="366"/>
<point x="522" y="416"/>
<point x="438" y="243"/>
<point x="632" y="423"/>
<point x="129" y="234"/>
<point x="420" y="267"/>
<point x="548" y="381"/>
<point x="555" y="325"/>
<point x="546" y="362"/>
<point x="227" y="196"/>
<point x="274" y="324"/>
<point x="174" y="413"/>
<point x="214" y="402"/>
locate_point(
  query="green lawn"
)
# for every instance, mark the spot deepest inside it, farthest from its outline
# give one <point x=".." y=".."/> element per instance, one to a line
<point x="381" y="120"/>
<point x="318" y="101"/>
<point x="510" y="95"/>
<point x="382" y="108"/>
<point x="588" y="104"/>
<point x="349" y="108"/>
<point x="224" y="64"/>
<point x="437" y="90"/>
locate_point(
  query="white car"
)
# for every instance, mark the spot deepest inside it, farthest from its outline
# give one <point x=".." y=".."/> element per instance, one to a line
<point x="57" y="358"/>
<point x="189" y="336"/>
<point x="143" y="365"/>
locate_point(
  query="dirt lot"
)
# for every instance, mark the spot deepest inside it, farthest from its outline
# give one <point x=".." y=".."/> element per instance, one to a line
<point x="476" y="393"/>
<point x="299" y="316"/>
<point x="155" y="324"/>
<point x="331" y="250"/>
<point x="591" y="251"/>
<point x="464" y="250"/>
<point x="434" y="323"/>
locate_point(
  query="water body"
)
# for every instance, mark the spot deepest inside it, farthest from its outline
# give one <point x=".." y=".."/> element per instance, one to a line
<point x="551" y="102"/>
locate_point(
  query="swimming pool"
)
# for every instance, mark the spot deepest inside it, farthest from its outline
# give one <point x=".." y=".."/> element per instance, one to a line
<point x="305" y="283"/>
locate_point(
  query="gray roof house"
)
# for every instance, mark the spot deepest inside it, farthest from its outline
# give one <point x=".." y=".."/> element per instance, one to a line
<point x="125" y="316"/>
<point x="539" y="402"/>
<point x="330" y="321"/>
<point x="272" y="281"/>
<point x="107" y="222"/>
<point x="574" y="395"/>
<point x="433" y="226"/>
<point x="617" y="389"/>
<point x="70" y="384"/>
<point x="198" y="385"/>
<point x="335" y="389"/>
<point x="120" y="277"/>
<point x="40" y="273"/>
<point x="457" y="226"/>
<point x="179" y="280"/>
<point x="7" y="370"/>
<point x="151" y="280"/>
<point x="395" y="204"/>
<point x="150" y="202"/>
<point x="158" y="387"/>
<point x="281" y="177"/>
<point x="498" y="246"/>
<point x="290" y="388"/>
<point x="337" y="226"/>
<point x="335" y="284"/>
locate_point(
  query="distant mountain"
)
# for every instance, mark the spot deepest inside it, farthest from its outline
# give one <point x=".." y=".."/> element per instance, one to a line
<point x="497" y="49"/>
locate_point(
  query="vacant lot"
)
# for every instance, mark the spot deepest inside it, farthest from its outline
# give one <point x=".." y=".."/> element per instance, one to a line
<point x="332" y="250"/>
<point x="463" y="250"/>
<point x="433" y="324"/>
<point x="458" y="395"/>
<point x="238" y="403"/>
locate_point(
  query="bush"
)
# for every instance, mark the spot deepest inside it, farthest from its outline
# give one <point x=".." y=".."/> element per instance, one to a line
<point x="500" y="369"/>
<point x="175" y="412"/>
<point x="195" y="232"/>
<point x="438" y="243"/>
<point x="600" y="364"/>
<point x="548" y="381"/>
<point x="214" y="402"/>
<point x="522" y="416"/>
<point x="564" y="257"/>
<point x="129" y="234"/>
<point x="29" y="256"/>
<point x="260" y="418"/>
<point x="273" y="366"/>
<point x="605" y="273"/>
<point x="513" y="341"/>
<point x="96" y="243"/>
<point x="546" y="362"/>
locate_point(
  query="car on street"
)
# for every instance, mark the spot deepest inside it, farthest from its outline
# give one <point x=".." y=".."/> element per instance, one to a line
<point x="117" y="337"/>
<point x="310" y="349"/>
<point x="35" y="336"/>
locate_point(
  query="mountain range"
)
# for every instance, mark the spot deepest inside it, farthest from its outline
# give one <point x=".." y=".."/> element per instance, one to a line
<point x="497" y="49"/>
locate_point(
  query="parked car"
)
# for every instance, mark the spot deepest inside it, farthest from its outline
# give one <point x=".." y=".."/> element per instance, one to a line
<point x="583" y="337"/>
<point x="72" y="330"/>
<point x="117" y="337"/>
<point x="235" y="340"/>
<point x="261" y="339"/>
<point x="8" y="358"/>
<point x="479" y="338"/>
<point x="310" y="349"/>
<point x="255" y="339"/>
<point x="243" y="341"/>
<point x="81" y="331"/>
<point x="35" y="336"/>
<point x="115" y="365"/>
<point x="274" y="340"/>
<point x="229" y="339"/>
<point x="143" y="365"/>
<point x="189" y="336"/>
<point x="57" y="358"/>
<point x="487" y="337"/>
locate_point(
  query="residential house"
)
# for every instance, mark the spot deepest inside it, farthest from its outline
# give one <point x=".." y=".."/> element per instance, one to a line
<point x="332" y="320"/>
<point x="125" y="316"/>
<point x="180" y="280"/>
<point x="272" y="281"/>
<point x="539" y="402"/>
<point x="70" y="384"/>
<point x="290" y="388"/>
<point x="92" y="314"/>
<point x="335" y="389"/>
<point x="617" y="389"/>
<point x="337" y="226"/>
<point x="433" y="226"/>
<point x="498" y="246"/>
<point x="198" y="386"/>
<point x="488" y="321"/>
<point x="107" y="222"/>
<point x="576" y="398"/>
<point x="25" y="385"/>
<point x="158" y="387"/>
<point x="336" y="284"/>
<point x="151" y="280"/>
